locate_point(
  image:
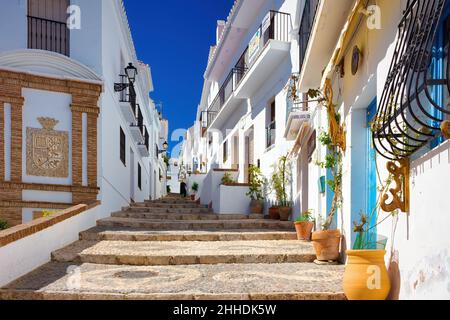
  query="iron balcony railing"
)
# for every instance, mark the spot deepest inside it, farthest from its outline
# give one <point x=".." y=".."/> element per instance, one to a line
<point x="146" y="141"/>
<point x="50" y="35"/>
<point x="270" y="134"/>
<point x="276" y="28"/>
<point x="139" y="120"/>
<point x="206" y="118"/>
<point x="225" y="92"/>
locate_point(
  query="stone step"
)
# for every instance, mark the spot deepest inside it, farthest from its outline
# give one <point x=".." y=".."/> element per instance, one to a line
<point x="296" y="281"/>
<point x="160" y="253"/>
<point x="169" y="210"/>
<point x="176" y="216"/>
<point x="126" y="234"/>
<point x="166" y="205"/>
<point x="196" y="224"/>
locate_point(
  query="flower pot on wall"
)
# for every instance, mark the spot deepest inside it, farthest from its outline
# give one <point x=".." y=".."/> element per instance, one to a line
<point x="326" y="244"/>
<point x="304" y="230"/>
<point x="285" y="213"/>
<point x="256" y="207"/>
<point x="366" y="276"/>
<point x="274" y="213"/>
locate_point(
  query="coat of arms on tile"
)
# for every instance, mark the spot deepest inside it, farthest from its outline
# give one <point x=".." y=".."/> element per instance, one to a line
<point x="47" y="150"/>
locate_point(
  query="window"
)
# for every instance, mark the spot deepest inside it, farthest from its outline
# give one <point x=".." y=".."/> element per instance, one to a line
<point x="47" y="25"/>
<point x="271" y="126"/>
<point x="139" y="176"/>
<point x="123" y="147"/>
<point x="306" y="26"/>
<point x="225" y="151"/>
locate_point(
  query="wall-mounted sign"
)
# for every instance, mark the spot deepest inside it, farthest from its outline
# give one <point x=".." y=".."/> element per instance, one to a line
<point x="254" y="47"/>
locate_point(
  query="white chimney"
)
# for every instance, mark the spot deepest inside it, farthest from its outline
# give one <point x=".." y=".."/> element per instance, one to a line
<point x="220" y="28"/>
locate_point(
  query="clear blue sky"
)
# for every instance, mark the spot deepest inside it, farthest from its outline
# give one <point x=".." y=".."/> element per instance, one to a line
<point x="174" y="37"/>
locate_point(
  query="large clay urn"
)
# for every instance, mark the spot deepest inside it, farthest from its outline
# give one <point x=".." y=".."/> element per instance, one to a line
<point x="366" y="276"/>
<point x="326" y="244"/>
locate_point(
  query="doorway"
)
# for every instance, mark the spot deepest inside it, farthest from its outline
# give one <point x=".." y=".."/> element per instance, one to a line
<point x="132" y="175"/>
<point x="249" y="153"/>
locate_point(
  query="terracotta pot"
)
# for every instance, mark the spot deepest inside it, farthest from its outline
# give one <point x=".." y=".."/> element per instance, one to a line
<point x="326" y="244"/>
<point x="274" y="214"/>
<point x="285" y="213"/>
<point x="366" y="276"/>
<point x="256" y="206"/>
<point x="304" y="230"/>
<point x="192" y="197"/>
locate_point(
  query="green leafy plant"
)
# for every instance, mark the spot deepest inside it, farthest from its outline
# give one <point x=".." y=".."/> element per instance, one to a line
<point x="332" y="161"/>
<point x="305" y="216"/>
<point x="280" y="181"/>
<point x="195" y="187"/>
<point x="256" y="182"/>
<point x="3" y="225"/>
<point x="227" y="179"/>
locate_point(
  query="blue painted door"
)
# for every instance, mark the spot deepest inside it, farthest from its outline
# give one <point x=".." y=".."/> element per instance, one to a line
<point x="371" y="169"/>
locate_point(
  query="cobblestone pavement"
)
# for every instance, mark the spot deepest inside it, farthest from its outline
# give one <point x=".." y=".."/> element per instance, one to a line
<point x="286" y="280"/>
<point x="149" y="258"/>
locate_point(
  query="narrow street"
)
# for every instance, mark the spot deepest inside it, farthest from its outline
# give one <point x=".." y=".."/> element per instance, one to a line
<point x="200" y="256"/>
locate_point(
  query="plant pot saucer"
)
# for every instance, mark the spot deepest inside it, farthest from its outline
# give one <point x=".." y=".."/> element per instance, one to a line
<point x="326" y="263"/>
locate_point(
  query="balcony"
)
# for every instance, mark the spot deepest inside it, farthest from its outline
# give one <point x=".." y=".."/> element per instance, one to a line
<point x="137" y="128"/>
<point x="299" y="119"/>
<point x="224" y="103"/>
<point x="270" y="135"/>
<point x="268" y="48"/>
<point x="50" y="35"/>
<point x="144" y="147"/>
<point x="127" y="100"/>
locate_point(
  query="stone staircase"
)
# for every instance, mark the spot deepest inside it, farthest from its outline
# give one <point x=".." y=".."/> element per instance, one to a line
<point x="176" y="249"/>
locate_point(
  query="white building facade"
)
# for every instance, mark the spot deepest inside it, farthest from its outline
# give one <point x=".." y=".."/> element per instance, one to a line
<point x="364" y="49"/>
<point x="242" y="115"/>
<point x="75" y="128"/>
<point x="358" y="56"/>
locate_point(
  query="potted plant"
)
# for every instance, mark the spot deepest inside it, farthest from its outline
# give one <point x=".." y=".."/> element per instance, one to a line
<point x="280" y="183"/>
<point x="194" y="188"/>
<point x="255" y="190"/>
<point x="304" y="225"/>
<point x="274" y="212"/>
<point x="366" y="276"/>
<point x="285" y="210"/>
<point x="227" y="179"/>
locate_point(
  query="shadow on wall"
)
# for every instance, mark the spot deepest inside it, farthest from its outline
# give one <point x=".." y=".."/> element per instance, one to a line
<point x="394" y="276"/>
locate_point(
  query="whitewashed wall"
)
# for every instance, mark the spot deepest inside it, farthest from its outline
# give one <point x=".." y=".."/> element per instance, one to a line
<point x="27" y="254"/>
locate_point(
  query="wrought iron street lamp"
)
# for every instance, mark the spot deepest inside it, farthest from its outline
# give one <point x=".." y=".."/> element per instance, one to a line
<point x="164" y="149"/>
<point x="131" y="73"/>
